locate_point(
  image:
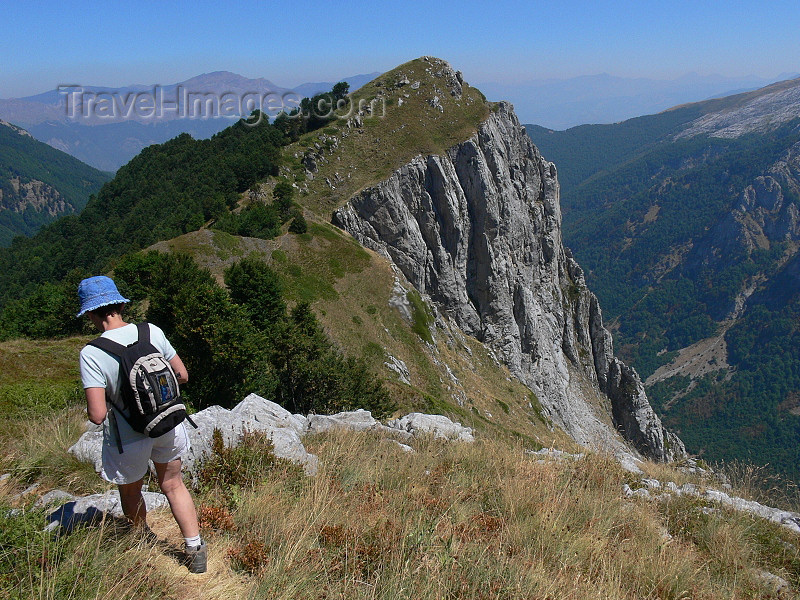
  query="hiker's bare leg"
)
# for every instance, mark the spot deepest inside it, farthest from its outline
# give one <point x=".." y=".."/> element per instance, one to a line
<point x="170" y="479"/>
<point x="130" y="495"/>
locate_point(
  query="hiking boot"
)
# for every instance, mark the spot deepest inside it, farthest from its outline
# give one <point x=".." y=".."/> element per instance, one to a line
<point x="196" y="558"/>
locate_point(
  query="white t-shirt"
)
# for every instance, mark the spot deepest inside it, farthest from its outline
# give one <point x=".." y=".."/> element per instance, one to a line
<point x="100" y="369"/>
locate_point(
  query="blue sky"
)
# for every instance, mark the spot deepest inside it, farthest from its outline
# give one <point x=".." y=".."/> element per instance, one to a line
<point x="46" y="43"/>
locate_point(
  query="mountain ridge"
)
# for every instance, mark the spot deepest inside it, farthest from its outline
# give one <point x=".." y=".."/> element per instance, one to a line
<point x="685" y="220"/>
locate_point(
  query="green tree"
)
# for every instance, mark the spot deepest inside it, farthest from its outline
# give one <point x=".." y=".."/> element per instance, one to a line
<point x="49" y="311"/>
<point x="340" y="90"/>
<point x="257" y="288"/>
<point x="283" y="198"/>
<point x="299" y="224"/>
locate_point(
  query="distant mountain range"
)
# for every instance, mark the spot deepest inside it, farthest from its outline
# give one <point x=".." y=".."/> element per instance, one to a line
<point x="129" y="127"/>
<point x="688" y="225"/>
<point x="603" y="98"/>
<point x="106" y="127"/>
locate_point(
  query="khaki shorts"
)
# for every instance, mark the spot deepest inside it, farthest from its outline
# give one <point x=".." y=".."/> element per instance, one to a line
<point x="132" y="464"/>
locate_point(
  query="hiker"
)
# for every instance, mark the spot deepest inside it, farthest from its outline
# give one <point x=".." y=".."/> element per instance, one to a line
<point x="126" y="452"/>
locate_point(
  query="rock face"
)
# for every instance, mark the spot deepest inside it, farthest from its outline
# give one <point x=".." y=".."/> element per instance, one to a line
<point x="35" y="195"/>
<point x="478" y="231"/>
<point x="764" y="215"/>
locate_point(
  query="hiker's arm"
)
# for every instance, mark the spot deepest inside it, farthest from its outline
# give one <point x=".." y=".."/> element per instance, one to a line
<point x="180" y="369"/>
<point x="96" y="404"/>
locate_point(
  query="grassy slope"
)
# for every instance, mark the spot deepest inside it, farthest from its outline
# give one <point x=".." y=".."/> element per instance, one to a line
<point x="395" y="133"/>
<point x="450" y="520"/>
<point x="350" y="289"/>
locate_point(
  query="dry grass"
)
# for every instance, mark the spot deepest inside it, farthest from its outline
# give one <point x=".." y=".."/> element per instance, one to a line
<point x="450" y="520"/>
<point x="473" y="521"/>
<point x="404" y="124"/>
<point x="760" y="483"/>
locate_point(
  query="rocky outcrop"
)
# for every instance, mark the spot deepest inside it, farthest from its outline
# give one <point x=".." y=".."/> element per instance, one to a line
<point x="764" y="215"/>
<point x="478" y="231"/>
<point x="34" y="195"/>
<point x="256" y="414"/>
<point x="252" y="414"/>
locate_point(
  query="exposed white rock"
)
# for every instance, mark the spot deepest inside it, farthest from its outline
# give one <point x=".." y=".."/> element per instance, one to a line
<point x="252" y="414"/>
<point x="356" y="420"/>
<point x="788" y="519"/>
<point x="777" y="585"/>
<point x="89" y="448"/>
<point x="478" y="231"/>
<point x="399" y="299"/>
<point x="399" y="367"/>
<point x="91" y="509"/>
<point x="764" y="112"/>
<point x="552" y="453"/>
<point x="54" y="497"/>
<point x="258" y="413"/>
<point x="440" y="426"/>
<point x="403" y="447"/>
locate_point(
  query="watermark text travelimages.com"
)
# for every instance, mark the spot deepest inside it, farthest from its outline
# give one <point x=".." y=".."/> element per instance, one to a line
<point x="180" y="103"/>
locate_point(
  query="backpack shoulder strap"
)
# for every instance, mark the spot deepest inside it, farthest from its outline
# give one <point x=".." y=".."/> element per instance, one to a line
<point x="108" y="345"/>
<point x="144" y="332"/>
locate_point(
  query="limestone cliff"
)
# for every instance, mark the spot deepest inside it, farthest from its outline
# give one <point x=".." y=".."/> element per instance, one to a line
<point x="35" y="195"/>
<point x="478" y="231"/>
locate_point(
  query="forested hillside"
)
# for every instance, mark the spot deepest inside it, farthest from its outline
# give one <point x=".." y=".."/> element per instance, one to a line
<point x="689" y="238"/>
<point x="167" y="190"/>
<point x="306" y="316"/>
<point x="38" y="183"/>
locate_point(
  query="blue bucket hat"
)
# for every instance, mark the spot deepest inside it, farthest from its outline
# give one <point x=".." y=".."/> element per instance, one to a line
<point x="98" y="291"/>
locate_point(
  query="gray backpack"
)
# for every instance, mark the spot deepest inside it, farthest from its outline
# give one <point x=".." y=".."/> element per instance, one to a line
<point x="148" y="385"/>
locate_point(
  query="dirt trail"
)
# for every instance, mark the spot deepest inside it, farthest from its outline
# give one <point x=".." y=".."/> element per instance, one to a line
<point x="218" y="583"/>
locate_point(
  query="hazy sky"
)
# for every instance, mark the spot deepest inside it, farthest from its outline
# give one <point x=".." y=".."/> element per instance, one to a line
<point x="47" y="43"/>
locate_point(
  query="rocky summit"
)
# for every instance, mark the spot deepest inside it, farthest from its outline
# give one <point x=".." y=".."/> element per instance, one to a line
<point x="477" y="230"/>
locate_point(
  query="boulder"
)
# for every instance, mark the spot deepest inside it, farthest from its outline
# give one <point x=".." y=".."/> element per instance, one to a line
<point x="440" y="426"/>
<point x="252" y="414"/>
<point x="94" y="508"/>
<point x="89" y="448"/>
<point x="356" y="420"/>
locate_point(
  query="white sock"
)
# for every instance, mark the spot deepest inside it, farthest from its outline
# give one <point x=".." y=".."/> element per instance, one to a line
<point x="193" y="542"/>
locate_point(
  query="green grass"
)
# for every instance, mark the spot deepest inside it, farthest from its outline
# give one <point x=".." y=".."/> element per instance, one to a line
<point x="393" y="136"/>
<point x="421" y="316"/>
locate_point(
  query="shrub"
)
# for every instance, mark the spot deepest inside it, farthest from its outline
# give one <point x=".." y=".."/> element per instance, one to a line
<point x="298" y="224"/>
<point x="256" y="220"/>
<point x="242" y="465"/>
<point x="251" y="558"/>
